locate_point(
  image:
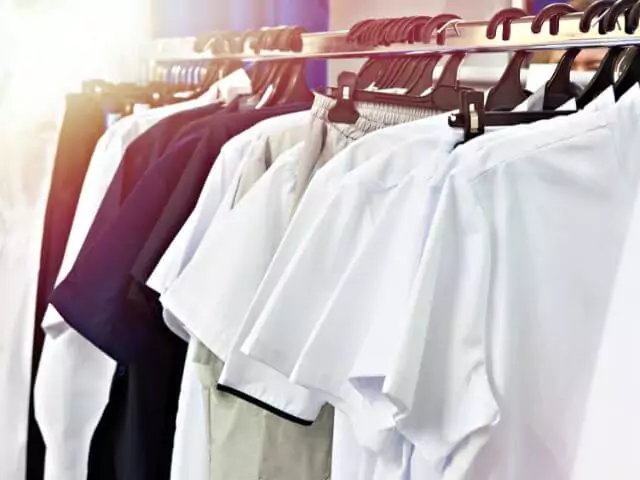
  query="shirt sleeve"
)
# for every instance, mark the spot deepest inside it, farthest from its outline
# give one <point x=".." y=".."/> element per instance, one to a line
<point x="212" y="294"/>
<point x="362" y="317"/>
<point x="305" y="286"/>
<point x="179" y="253"/>
<point x="310" y="270"/>
<point x="102" y="167"/>
<point x="440" y="380"/>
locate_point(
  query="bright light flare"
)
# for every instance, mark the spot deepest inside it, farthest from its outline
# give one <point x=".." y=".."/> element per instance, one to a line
<point x="51" y="50"/>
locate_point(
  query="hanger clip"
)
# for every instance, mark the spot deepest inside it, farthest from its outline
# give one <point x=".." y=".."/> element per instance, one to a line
<point x="473" y="113"/>
<point x="344" y="111"/>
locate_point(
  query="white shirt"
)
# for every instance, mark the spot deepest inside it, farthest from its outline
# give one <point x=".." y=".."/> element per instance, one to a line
<point x="255" y="145"/>
<point x="393" y="233"/>
<point x="515" y="283"/>
<point x="609" y="432"/>
<point x="28" y="153"/>
<point x="245" y="375"/>
<point x="317" y="196"/>
<point x="250" y="151"/>
<point x="266" y="207"/>
<point x="74" y="378"/>
<point x="363" y="313"/>
<point x="280" y="314"/>
<point x="319" y="192"/>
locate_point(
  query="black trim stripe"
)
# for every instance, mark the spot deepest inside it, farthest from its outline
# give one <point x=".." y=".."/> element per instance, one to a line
<point x="263" y="405"/>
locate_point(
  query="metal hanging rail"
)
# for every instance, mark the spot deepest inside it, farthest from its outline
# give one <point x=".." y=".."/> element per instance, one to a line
<point x="460" y="37"/>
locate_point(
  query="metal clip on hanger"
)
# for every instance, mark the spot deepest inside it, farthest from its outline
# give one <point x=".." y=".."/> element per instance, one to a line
<point x="473" y="111"/>
<point x="344" y="111"/>
<point x="474" y="120"/>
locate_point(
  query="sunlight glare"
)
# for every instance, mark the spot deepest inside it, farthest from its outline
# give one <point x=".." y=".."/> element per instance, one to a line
<point x="53" y="49"/>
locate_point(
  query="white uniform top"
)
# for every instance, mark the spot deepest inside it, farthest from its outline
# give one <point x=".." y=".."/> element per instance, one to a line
<point x="515" y="282"/>
<point x="74" y="378"/>
<point x="250" y="151"/>
<point x="190" y="452"/>
<point x="28" y="153"/>
<point x="246" y="375"/>
<point x="609" y="432"/>
<point x="611" y="422"/>
<point x="360" y="320"/>
<point x="319" y="196"/>
<point x="221" y="306"/>
<point x="284" y="302"/>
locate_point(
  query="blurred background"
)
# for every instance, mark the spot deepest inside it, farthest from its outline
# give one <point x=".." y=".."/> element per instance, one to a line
<point x="47" y="47"/>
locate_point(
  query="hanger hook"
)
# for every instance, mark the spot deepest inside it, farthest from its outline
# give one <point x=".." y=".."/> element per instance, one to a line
<point x="415" y="27"/>
<point x="388" y="33"/>
<point x="400" y="32"/>
<point x="610" y="20"/>
<point x="385" y="31"/>
<point x="441" y="34"/>
<point x="435" y="23"/>
<point x="553" y="13"/>
<point x="355" y="32"/>
<point x="370" y="34"/>
<point x="633" y="19"/>
<point x="596" y="11"/>
<point x="504" y="17"/>
<point x="449" y="75"/>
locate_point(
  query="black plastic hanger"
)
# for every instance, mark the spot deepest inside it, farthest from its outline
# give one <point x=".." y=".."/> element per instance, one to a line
<point x="602" y="79"/>
<point x="292" y="85"/>
<point x="287" y="80"/>
<point x="473" y="118"/>
<point x="388" y="72"/>
<point x="559" y="89"/>
<point x="631" y="74"/>
<point x="509" y="92"/>
<point x="443" y="97"/>
<point x="633" y="19"/>
<point x="604" y="76"/>
<point x="551" y="13"/>
<point x="610" y="19"/>
<point x="422" y="77"/>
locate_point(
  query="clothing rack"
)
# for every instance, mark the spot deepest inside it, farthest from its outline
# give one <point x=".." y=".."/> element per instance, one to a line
<point x="460" y="36"/>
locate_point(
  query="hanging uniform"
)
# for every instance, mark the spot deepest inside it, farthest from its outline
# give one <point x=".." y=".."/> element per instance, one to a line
<point x="28" y="152"/>
<point x="73" y="383"/>
<point x="119" y="314"/>
<point x="495" y="344"/>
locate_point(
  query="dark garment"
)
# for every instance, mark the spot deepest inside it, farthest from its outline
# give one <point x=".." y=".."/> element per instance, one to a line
<point x="120" y="428"/>
<point x="101" y="298"/>
<point x="114" y="309"/>
<point x="138" y="157"/>
<point x="82" y="127"/>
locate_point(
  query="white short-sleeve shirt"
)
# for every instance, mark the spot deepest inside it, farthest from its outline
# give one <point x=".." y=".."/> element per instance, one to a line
<point x="256" y="145"/>
<point x="514" y="286"/>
